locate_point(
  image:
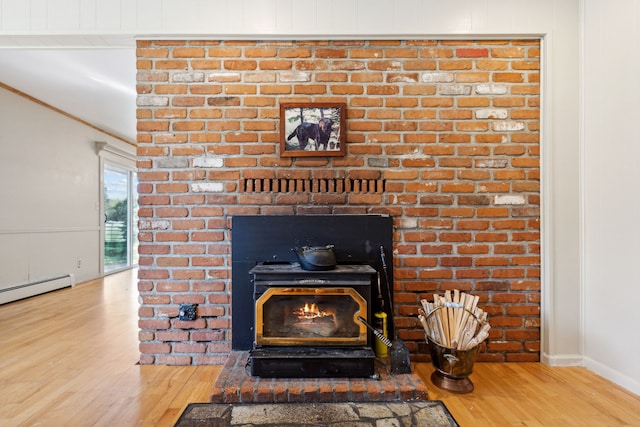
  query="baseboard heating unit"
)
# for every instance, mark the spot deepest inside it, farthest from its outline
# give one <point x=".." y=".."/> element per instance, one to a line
<point x="35" y="288"/>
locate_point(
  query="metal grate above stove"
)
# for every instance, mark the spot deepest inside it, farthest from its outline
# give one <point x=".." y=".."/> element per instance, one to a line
<point x="312" y="185"/>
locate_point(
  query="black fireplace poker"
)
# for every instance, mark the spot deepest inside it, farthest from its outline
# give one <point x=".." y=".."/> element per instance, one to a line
<point x="398" y="351"/>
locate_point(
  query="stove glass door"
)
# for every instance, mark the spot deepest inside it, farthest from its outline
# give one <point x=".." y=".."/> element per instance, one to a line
<point x="310" y="316"/>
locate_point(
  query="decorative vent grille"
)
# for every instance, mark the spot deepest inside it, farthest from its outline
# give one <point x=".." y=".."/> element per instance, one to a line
<point x="329" y="185"/>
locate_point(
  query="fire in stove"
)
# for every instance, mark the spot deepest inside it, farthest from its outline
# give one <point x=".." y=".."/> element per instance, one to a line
<point x="310" y="311"/>
<point x="311" y="320"/>
<point x="303" y="316"/>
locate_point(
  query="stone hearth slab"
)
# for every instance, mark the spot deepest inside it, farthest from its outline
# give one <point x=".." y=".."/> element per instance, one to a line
<point x="236" y="385"/>
<point x="432" y="413"/>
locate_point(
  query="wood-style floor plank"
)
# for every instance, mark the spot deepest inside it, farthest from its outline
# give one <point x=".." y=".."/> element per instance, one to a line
<point x="533" y="394"/>
<point x="69" y="358"/>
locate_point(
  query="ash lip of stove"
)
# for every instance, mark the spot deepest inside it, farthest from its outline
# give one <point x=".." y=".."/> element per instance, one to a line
<point x="306" y="321"/>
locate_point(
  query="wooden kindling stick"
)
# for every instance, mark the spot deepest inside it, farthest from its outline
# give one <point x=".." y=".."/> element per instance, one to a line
<point x="454" y="320"/>
<point x="450" y="318"/>
<point x="444" y="316"/>
<point x="466" y="301"/>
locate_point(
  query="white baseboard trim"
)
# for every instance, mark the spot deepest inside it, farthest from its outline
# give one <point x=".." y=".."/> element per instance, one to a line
<point x="612" y="375"/>
<point x="562" y="360"/>
<point x="36" y="288"/>
<point x="596" y="367"/>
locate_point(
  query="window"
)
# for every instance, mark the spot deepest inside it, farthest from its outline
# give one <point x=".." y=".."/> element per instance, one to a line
<point x="119" y="209"/>
<point x="120" y="218"/>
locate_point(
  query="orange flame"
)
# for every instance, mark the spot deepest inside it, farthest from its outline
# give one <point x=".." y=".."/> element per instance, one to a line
<point x="311" y="310"/>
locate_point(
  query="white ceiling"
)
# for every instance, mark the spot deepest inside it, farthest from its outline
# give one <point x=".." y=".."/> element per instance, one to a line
<point x="97" y="85"/>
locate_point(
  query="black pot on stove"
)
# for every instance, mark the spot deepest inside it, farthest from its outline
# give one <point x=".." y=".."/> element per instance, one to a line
<point x="316" y="258"/>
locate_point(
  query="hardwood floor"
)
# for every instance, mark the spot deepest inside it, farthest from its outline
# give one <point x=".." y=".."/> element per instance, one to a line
<point x="69" y="358"/>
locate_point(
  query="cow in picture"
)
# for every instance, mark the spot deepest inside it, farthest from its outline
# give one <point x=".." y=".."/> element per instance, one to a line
<point x="319" y="132"/>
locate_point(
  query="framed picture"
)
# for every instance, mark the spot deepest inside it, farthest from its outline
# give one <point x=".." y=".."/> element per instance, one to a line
<point x="312" y="129"/>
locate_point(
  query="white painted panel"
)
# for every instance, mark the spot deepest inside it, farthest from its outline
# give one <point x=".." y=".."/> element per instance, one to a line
<point x="53" y="191"/>
<point x="407" y="17"/>
<point x="64" y="16"/>
<point x="149" y="14"/>
<point x="234" y="23"/>
<point x="88" y="15"/>
<point x="480" y="17"/>
<point x="561" y="199"/>
<point x="108" y="15"/>
<point x="58" y="253"/>
<point x="532" y="13"/>
<point x="259" y="16"/>
<point x="440" y="18"/>
<point x="524" y="16"/>
<point x="612" y="199"/>
<point x="179" y="15"/>
<point x="501" y="18"/>
<point x="15" y="15"/>
<point x="324" y="10"/>
<point x="49" y="257"/>
<point x="278" y="17"/>
<point x="374" y="15"/>
<point x="14" y="259"/>
<point x="304" y="18"/>
<point x="128" y="16"/>
<point x="565" y="19"/>
<point x="345" y="16"/>
<point x="213" y="17"/>
<point x="38" y="15"/>
<point x="284" y="16"/>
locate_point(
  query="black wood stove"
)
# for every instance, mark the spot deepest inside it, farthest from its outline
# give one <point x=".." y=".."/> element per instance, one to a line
<point x="306" y="321"/>
<point x="302" y="323"/>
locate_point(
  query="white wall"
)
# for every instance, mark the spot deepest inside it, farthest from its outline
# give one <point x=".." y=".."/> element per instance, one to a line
<point x="612" y="190"/>
<point x="589" y="227"/>
<point x="49" y="196"/>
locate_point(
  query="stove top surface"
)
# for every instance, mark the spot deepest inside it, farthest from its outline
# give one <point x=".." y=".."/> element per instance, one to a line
<point x="296" y="268"/>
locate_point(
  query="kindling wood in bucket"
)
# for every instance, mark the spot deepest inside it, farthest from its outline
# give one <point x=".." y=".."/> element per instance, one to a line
<point x="454" y="329"/>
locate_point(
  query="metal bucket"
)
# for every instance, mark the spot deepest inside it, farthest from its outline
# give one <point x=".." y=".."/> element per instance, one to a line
<point x="451" y="362"/>
<point x="452" y="366"/>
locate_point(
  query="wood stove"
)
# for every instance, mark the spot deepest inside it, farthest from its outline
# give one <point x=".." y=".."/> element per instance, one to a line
<point x="303" y="323"/>
<point x="306" y="322"/>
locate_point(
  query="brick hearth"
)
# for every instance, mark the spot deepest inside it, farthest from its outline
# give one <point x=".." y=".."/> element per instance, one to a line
<point x="236" y="385"/>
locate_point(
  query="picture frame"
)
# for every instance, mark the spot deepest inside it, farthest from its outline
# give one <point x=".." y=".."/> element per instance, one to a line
<point x="312" y="129"/>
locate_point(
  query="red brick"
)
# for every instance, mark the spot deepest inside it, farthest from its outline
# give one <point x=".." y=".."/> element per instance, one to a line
<point x="511" y="52"/>
<point x="188" y="348"/>
<point x="188" y="275"/>
<point x="153" y="324"/>
<point x="152" y="53"/>
<point x="173" y="286"/>
<point x="155" y="348"/>
<point x="172" y="336"/>
<point x="472" y="52"/>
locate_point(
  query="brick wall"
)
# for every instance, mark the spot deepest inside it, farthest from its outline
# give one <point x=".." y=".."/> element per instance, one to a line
<point x="450" y="127"/>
